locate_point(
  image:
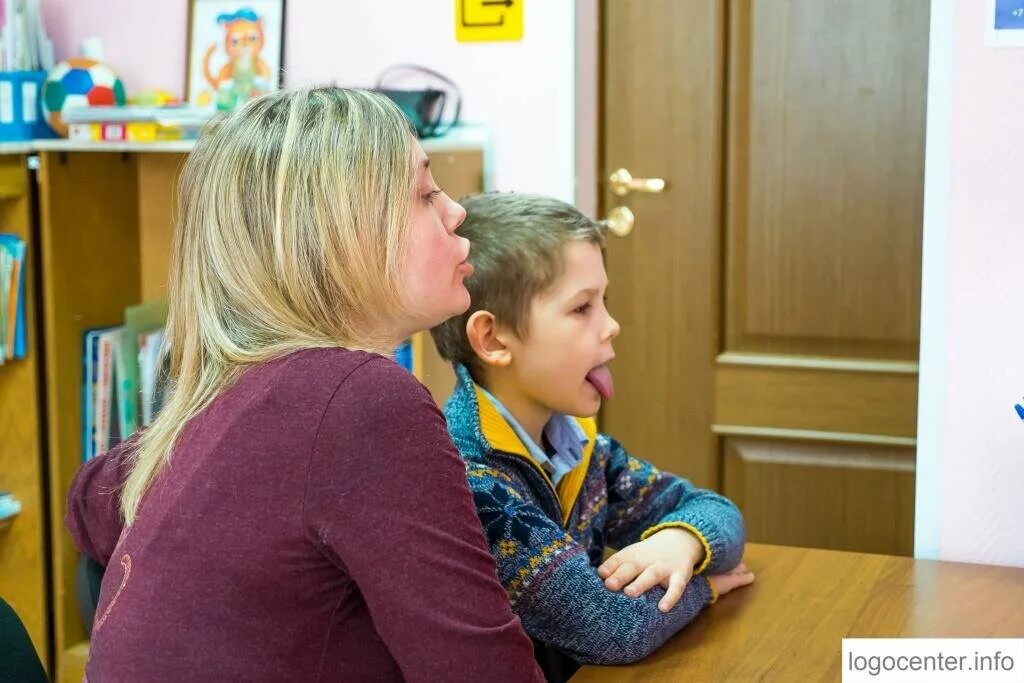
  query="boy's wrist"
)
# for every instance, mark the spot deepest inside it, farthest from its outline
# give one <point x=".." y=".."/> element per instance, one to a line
<point x="693" y="544"/>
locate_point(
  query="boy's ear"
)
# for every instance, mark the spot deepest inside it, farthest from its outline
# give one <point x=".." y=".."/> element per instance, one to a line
<point x="487" y="339"/>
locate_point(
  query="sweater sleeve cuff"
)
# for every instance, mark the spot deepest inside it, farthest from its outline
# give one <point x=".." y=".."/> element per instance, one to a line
<point x="711" y="587"/>
<point x="693" y="530"/>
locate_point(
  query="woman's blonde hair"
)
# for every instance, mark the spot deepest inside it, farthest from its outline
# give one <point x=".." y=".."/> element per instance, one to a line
<point x="290" y="227"/>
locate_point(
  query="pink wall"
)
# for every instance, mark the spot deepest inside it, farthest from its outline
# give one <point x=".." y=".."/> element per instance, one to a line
<point x="971" y="455"/>
<point x="522" y="91"/>
<point x="144" y="41"/>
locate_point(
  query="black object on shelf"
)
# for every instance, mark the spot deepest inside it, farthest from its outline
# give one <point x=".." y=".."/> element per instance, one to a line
<point x="425" y="106"/>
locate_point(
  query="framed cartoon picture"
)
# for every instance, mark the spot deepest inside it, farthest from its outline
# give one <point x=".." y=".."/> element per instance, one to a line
<point x="235" y="51"/>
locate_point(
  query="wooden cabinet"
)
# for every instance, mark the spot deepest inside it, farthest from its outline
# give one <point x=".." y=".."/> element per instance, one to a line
<point x="104" y="234"/>
<point x="23" y="539"/>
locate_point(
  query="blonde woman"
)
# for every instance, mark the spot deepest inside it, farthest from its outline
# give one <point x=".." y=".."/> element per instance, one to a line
<point x="297" y="511"/>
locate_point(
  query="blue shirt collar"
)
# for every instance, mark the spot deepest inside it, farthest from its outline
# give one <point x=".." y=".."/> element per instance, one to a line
<point x="562" y="432"/>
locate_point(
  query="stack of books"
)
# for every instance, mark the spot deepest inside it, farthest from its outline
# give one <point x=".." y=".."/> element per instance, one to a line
<point x="12" y="298"/>
<point x="134" y="123"/>
<point x="125" y="377"/>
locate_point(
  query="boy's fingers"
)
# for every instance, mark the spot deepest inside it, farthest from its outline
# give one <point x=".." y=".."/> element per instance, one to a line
<point x="741" y="580"/>
<point x="676" y="585"/>
<point x="609" y="566"/>
<point x="726" y="583"/>
<point x="647" y="580"/>
<point x="625" y="573"/>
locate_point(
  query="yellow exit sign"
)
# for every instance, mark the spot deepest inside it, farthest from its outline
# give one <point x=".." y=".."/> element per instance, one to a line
<point x="488" y="20"/>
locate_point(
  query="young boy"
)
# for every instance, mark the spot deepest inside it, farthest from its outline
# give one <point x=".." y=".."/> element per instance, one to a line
<point x="531" y="357"/>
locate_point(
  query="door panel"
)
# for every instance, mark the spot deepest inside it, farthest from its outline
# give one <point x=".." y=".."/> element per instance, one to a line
<point x="830" y="397"/>
<point x="826" y="176"/>
<point x="770" y="296"/>
<point x="861" y="497"/>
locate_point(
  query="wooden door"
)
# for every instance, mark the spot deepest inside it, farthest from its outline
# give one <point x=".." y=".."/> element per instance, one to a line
<point x="769" y="297"/>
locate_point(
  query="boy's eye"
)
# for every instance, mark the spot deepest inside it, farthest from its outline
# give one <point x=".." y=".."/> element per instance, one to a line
<point x="582" y="309"/>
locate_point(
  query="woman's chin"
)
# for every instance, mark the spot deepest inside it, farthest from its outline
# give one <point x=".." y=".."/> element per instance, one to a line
<point x="461" y="301"/>
<point x="457" y="305"/>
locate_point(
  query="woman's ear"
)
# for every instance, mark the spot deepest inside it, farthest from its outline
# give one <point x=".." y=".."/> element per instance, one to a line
<point x="484" y="336"/>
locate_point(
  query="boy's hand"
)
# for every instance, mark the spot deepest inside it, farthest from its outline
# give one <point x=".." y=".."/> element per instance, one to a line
<point x="737" y="578"/>
<point x="666" y="558"/>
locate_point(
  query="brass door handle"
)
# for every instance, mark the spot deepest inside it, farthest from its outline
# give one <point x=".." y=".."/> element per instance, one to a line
<point x="622" y="182"/>
<point x="620" y="221"/>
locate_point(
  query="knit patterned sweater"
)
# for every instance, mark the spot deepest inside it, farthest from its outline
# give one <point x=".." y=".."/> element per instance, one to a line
<point x="548" y="541"/>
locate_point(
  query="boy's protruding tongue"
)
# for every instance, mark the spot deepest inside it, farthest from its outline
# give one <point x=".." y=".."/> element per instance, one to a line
<point x="601" y="378"/>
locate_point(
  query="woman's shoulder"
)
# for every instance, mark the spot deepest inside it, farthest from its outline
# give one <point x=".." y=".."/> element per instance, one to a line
<point x="354" y="374"/>
<point x="301" y="390"/>
<point x="375" y="396"/>
<point x="326" y="362"/>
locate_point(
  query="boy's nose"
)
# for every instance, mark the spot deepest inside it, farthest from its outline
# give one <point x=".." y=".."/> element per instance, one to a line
<point x="612" y="329"/>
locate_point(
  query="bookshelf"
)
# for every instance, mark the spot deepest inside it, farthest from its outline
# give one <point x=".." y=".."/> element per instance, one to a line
<point x="23" y="539"/>
<point x="105" y="222"/>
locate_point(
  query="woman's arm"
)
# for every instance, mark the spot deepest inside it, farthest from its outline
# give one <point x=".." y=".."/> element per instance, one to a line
<point x="387" y="499"/>
<point x="94" y="503"/>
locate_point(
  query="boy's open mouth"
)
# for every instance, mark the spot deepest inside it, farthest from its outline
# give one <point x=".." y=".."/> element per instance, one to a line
<point x="601" y="379"/>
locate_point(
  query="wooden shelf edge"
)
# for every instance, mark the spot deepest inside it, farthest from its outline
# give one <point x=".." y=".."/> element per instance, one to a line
<point x="71" y="663"/>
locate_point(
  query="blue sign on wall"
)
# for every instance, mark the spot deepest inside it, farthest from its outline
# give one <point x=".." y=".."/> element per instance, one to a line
<point x="1009" y="14"/>
<point x="1006" y="23"/>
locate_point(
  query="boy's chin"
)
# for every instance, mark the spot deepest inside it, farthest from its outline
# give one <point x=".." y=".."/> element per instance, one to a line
<point x="588" y="407"/>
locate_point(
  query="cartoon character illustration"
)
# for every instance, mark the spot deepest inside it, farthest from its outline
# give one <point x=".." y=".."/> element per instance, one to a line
<point x="246" y="75"/>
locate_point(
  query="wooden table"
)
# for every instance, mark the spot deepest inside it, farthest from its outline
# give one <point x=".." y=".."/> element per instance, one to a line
<point x="789" y="625"/>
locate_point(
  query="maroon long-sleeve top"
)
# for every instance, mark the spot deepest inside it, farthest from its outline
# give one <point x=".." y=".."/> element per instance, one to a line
<point x="314" y="523"/>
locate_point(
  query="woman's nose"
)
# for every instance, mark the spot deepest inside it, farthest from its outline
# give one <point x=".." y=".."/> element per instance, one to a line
<point x="456" y="215"/>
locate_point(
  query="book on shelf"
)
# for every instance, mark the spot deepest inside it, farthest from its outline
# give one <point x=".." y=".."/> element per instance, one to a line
<point x="139" y="322"/>
<point x="109" y="343"/>
<point x="125" y="377"/>
<point x="9" y="506"/>
<point x="150" y="345"/>
<point x="91" y="381"/>
<point x="404" y="355"/>
<point x="24" y="43"/>
<point x="13" y="335"/>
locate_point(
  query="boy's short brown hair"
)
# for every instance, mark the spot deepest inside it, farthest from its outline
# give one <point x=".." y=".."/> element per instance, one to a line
<point x="517" y="251"/>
